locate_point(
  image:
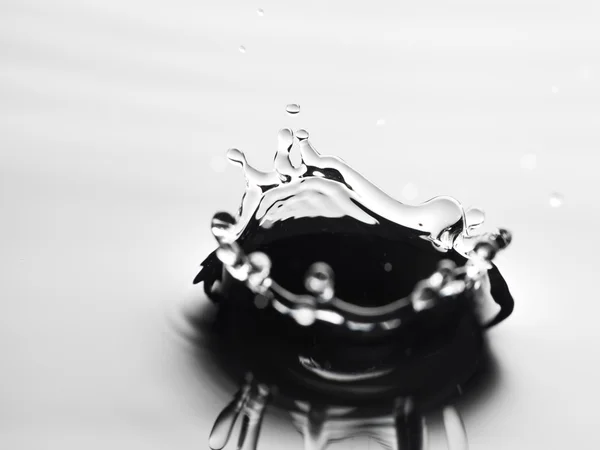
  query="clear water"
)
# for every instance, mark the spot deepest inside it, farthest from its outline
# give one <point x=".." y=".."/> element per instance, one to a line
<point x="326" y="186"/>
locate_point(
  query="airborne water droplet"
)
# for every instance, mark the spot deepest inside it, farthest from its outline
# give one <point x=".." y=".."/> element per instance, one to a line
<point x="556" y="200"/>
<point x="242" y="49"/>
<point x="260" y="12"/>
<point x="292" y="108"/>
<point x="381" y="122"/>
<point x="555" y="89"/>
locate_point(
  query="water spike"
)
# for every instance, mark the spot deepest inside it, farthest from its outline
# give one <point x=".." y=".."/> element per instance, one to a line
<point x="310" y="156"/>
<point x="254" y="177"/>
<point x="221" y="431"/>
<point x="315" y="437"/>
<point x="410" y="430"/>
<point x="283" y="164"/>
<point x="456" y="434"/>
<point x="254" y="413"/>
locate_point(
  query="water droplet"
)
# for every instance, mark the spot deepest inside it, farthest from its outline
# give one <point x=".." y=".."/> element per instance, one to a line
<point x="387" y="267"/>
<point x="302" y="134"/>
<point x="381" y="122"/>
<point x="305" y="316"/>
<point x="410" y="191"/>
<point x="242" y="49"/>
<point x="529" y="161"/>
<point x="555" y="89"/>
<point x="252" y="422"/>
<point x="292" y="108"/>
<point x="586" y="74"/>
<point x="556" y="200"/>
<point x="260" y="12"/>
<point x="329" y="187"/>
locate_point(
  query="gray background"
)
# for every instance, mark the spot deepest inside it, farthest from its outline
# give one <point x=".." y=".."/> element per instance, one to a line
<point x="114" y="119"/>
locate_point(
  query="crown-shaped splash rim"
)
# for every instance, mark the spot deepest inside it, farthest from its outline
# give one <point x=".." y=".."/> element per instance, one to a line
<point x="326" y="186"/>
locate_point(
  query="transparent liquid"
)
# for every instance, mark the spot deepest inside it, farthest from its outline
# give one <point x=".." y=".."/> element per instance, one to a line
<point x="325" y="193"/>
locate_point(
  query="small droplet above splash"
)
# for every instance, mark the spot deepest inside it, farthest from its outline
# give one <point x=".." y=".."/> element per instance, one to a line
<point x="302" y="134"/>
<point x="242" y="49"/>
<point x="529" y="161"/>
<point x="260" y="12"/>
<point x="381" y="122"/>
<point x="292" y="108"/>
<point x="555" y="89"/>
<point x="410" y="191"/>
<point x="556" y="200"/>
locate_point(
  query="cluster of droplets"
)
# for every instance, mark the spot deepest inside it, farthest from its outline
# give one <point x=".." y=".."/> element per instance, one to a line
<point x="254" y="270"/>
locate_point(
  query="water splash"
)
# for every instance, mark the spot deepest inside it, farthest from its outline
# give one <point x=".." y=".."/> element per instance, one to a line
<point x="242" y="49"/>
<point x="260" y="12"/>
<point x="440" y="219"/>
<point x="326" y="187"/>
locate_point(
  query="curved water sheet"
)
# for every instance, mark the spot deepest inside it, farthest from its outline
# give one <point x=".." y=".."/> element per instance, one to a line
<point x="326" y="186"/>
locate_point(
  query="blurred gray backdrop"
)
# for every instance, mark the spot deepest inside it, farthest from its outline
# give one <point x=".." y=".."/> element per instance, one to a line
<point x="114" y="120"/>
